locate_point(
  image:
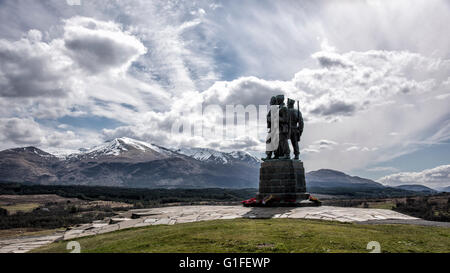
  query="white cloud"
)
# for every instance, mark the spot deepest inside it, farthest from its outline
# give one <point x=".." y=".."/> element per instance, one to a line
<point x="21" y="131"/>
<point x="436" y="178"/>
<point x="383" y="169"/>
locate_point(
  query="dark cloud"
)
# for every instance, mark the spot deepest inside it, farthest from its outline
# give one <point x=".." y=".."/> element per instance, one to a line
<point x="97" y="46"/>
<point x="330" y="60"/>
<point x="95" y="54"/>
<point x="243" y="91"/>
<point x="26" y="70"/>
<point x="335" y="108"/>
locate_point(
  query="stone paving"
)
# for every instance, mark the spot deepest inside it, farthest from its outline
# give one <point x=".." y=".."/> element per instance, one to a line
<point x="178" y="215"/>
<point x="25" y="244"/>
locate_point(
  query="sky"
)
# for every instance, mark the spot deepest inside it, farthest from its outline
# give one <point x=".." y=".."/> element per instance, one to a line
<point x="372" y="77"/>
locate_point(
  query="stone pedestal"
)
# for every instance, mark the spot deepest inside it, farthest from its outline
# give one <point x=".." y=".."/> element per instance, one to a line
<point x="282" y="182"/>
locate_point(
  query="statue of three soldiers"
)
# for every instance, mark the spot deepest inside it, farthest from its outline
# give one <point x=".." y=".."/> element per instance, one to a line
<point x="290" y="127"/>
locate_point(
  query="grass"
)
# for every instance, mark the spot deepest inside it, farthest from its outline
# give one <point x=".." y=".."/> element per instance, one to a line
<point x="25" y="207"/>
<point x="383" y="205"/>
<point x="272" y="235"/>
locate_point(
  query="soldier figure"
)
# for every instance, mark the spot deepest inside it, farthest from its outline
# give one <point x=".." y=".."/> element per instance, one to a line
<point x="296" y="125"/>
<point x="283" y="151"/>
<point x="273" y="101"/>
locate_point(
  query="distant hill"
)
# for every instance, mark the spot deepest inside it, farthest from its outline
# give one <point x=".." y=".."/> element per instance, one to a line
<point x="446" y="189"/>
<point x="331" y="182"/>
<point x="28" y="165"/>
<point x="329" y="178"/>
<point x="417" y="188"/>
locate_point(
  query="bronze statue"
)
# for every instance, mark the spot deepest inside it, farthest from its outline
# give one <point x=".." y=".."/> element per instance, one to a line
<point x="296" y="126"/>
<point x="290" y="126"/>
<point x="283" y="151"/>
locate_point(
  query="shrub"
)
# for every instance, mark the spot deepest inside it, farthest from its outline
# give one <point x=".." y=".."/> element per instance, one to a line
<point x="3" y="212"/>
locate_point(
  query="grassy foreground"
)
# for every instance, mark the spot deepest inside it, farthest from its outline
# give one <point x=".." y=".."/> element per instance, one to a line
<point x="272" y="235"/>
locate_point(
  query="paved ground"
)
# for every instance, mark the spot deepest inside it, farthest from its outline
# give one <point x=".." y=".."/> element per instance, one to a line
<point x="177" y="215"/>
<point x="25" y="244"/>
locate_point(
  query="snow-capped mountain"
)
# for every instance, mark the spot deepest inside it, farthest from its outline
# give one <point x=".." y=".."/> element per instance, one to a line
<point x="128" y="148"/>
<point x="124" y="149"/>
<point x="213" y="156"/>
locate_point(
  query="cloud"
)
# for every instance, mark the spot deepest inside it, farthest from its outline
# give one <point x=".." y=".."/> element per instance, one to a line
<point x="383" y="169"/>
<point x="436" y="178"/>
<point x="331" y="59"/>
<point x="320" y="145"/>
<point x="27" y="132"/>
<point x="31" y="68"/>
<point x="244" y="91"/>
<point x="97" y="46"/>
<point x="335" y="108"/>
<point x="20" y="131"/>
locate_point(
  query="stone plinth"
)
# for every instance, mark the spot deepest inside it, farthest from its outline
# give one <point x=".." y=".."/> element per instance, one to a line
<point x="282" y="181"/>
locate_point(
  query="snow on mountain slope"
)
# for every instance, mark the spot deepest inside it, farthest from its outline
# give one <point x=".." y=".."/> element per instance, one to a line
<point x="131" y="149"/>
<point x="118" y="146"/>
<point x="204" y="154"/>
<point x="245" y="156"/>
<point x="209" y="155"/>
<point x="125" y="148"/>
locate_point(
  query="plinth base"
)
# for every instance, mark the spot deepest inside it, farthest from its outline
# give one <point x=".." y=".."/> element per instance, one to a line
<point x="304" y="203"/>
<point x="282" y="184"/>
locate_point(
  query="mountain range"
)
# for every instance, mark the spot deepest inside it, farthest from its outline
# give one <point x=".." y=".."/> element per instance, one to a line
<point x="125" y="162"/>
